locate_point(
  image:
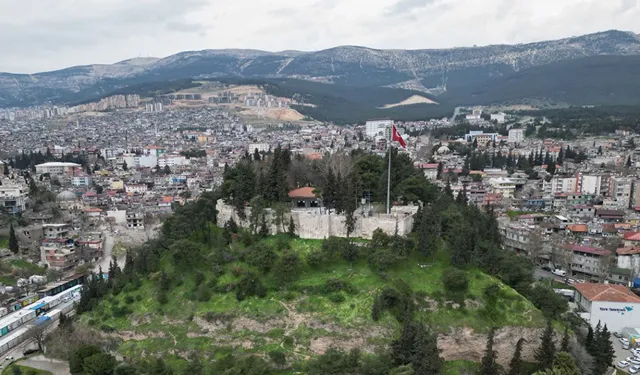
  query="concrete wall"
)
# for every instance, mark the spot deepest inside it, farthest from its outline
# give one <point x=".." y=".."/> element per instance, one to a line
<point x="311" y="224"/>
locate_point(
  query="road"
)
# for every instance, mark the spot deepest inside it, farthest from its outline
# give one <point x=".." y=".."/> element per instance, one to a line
<point x="41" y="363"/>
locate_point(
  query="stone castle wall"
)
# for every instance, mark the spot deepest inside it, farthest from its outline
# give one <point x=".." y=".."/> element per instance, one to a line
<point x="310" y="223"/>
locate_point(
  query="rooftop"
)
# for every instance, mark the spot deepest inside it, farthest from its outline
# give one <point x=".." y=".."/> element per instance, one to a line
<point x="588" y="249"/>
<point x="607" y="293"/>
<point x="305" y="192"/>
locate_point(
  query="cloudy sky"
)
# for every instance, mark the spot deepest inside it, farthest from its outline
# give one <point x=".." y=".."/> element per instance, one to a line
<point x="39" y="35"/>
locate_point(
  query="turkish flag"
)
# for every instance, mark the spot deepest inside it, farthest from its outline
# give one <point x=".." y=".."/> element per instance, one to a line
<point x="395" y="136"/>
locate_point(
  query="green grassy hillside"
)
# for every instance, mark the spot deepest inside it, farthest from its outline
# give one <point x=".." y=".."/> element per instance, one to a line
<point x="324" y="307"/>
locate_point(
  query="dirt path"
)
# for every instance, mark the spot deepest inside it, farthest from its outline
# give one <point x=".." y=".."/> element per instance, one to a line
<point x="41" y="363"/>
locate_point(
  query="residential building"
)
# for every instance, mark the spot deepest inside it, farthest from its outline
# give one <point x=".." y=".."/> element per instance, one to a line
<point x="135" y="188"/>
<point x="516" y="135"/>
<point x="12" y="197"/>
<point x="135" y="219"/>
<point x="261" y="147"/>
<point x="589" y="263"/>
<point x="628" y="258"/>
<point x="58" y="168"/>
<point x="56" y="231"/>
<point x="374" y="128"/>
<point x="621" y="190"/>
<point x="58" y="253"/>
<point x="81" y="181"/>
<point x="503" y="186"/>
<point x="500" y="118"/>
<point x="610" y="304"/>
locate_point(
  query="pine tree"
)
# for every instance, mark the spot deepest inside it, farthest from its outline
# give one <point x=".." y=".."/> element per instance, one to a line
<point x="6" y="169"/>
<point x="588" y="343"/>
<point x="256" y="155"/>
<point x="565" y="364"/>
<point x="628" y="164"/>
<point x="447" y="190"/>
<point x="602" y="350"/>
<point x="13" y="240"/>
<point x="264" y="228"/>
<point x="440" y="168"/>
<point x="515" y="366"/>
<point x="291" y="230"/>
<point x="125" y="166"/>
<point x="461" y="198"/>
<point x="564" y="346"/>
<point x="545" y="354"/>
<point x="488" y="366"/>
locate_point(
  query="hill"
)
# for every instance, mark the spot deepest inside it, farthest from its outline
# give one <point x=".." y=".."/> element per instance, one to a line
<point x="598" y="80"/>
<point x="429" y="70"/>
<point x="237" y="296"/>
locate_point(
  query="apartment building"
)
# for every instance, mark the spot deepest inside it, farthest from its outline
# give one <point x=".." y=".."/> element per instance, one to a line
<point x="590" y="263"/>
<point x="58" y="168"/>
<point x="12" y="197"/>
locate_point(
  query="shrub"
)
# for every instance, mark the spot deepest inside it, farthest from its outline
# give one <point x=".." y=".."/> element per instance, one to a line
<point x="261" y="257"/>
<point x="203" y="294"/>
<point x="278" y="358"/>
<point x="316" y="259"/>
<point x="107" y="328"/>
<point x="455" y="281"/>
<point x="250" y="285"/>
<point x="288" y="341"/>
<point x="336" y="298"/>
<point x="337" y="285"/>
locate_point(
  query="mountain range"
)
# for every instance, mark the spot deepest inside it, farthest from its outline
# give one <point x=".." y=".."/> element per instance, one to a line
<point x="600" y="68"/>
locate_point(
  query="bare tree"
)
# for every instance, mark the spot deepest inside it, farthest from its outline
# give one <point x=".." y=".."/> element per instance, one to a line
<point x="37" y="334"/>
<point x="605" y="266"/>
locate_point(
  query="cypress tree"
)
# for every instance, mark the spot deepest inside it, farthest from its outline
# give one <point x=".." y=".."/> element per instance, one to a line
<point x="6" y="169"/>
<point x="588" y="343"/>
<point x="602" y="350"/>
<point x="545" y="354"/>
<point x="488" y="366"/>
<point x="564" y="346"/>
<point x="13" y="240"/>
<point x="291" y="231"/>
<point x="264" y="228"/>
<point x="515" y="366"/>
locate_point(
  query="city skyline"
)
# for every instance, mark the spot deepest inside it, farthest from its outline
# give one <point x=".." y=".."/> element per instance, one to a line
<point x="55" y="36"/>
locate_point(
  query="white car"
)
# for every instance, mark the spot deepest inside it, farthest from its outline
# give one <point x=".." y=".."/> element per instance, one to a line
<point x="622" y="364"/>
<point x="8" y="359"/>
<point x="624" y="341"/>
<point x="634" y="369"/>
<point x="559" y="272"/>
<point x="635" y="352"/>
<point x="633" y="360"/>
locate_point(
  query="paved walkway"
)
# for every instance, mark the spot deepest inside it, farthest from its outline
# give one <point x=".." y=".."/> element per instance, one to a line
<point x="41" y="363"/>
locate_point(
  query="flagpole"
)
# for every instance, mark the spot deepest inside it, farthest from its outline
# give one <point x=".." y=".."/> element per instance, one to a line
<point x="389" y="181"/>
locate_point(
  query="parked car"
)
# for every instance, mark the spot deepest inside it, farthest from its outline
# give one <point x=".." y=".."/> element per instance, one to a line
<point x="633" y="360"/>
<point x="624" y="340"/>
<point x="634" y="369"/>
<point x="635" y="352"/>
<point x="29" y="351"/>
<point x="622" y="364"/>
<point x="9" y="358"/>
<point x="616" y="334"/>
<point x="546" y="268"/>
<point x="626" y="346"/>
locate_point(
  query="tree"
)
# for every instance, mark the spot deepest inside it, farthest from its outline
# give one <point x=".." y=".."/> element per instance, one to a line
<point x="628" y="164"/>
<point x="13" y="240"/>
<point x="439" y="170"/>
<point x="37" y="333"/>
<point x="291" y="230"/>
<point x="564" y="346"/>
<point x="264" y="228"/>
<point x="545" y="354"/>
<point x="588" y="343"/>
<point x="602" y="351"/>
<point x="256" y="155"/>
<point x="489" y="366"/>
<point x="417" y="347"/>
<point x="76" y="359"/>
<point x="125" y="167"/>
<point x="551" y="167"/>
<point x="515" y="366"/>
<point x="99" y="364"/>
<point x="288" y="267"/>
<point x="566" y="364"/>
<point x="5" y="169"/>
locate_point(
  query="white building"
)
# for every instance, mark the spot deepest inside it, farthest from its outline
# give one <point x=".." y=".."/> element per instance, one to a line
<point x="515" y="135"/>
<point x="591" y="185"/>
<point x="498" y="117"/>
<point x="261" y="147"/>
<point x="561" y="185"/>
<point x="504" y="186"/>
<point x="610" y="304"/>
<point x="58" y="168"/>
<point x="172" y="161"/>
<point x="378" y="127"/>
<point x="83" y="181"/>
<point x="621" y="190"/>
<point x="135" y="188"/>
<point x="12" y="197"/>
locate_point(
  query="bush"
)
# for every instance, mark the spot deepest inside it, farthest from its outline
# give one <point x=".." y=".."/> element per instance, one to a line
<point x="288" y="341"/>
<point x="316" y="259"/>
<point x="107" y="328"/>
<point x="278" y="358"/>
<point x="261" y="257"/>
<point x="337" y="285"/>
<point x="129" y="300"/>
<point x="336" y="298"/>
<point x="250" y="285"/>
<point x="203" y="294"/>
<point x="455" y="281"/>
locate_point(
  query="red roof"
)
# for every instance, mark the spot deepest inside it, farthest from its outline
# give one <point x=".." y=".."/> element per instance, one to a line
<point x="630" y="250"/>
<point x="632" y="236"/>
<point x="304" y="192"/>
<point x="588" y="249"/>
<point x="607" y="293"/>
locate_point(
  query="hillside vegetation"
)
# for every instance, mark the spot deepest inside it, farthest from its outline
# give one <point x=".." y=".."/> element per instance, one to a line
<point x="221" y="300"/>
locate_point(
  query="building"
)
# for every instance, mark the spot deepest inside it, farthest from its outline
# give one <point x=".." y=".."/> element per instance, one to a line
<point x="81" y="181"/>
<point x="135" y="188"/>
<point x="628" y="258"/>
<point x="591" y="185"/>
<point x="56" y="231"/>
<point x="374" y="128"/>
<point x="503" y="186"/>
<point x="516" y="135"/>
<point x="12" y="198"/>
<point x="622" y="189"/>
<point x="261" y="147"/>
<point x="58" y="168"/>
<point x="610" y="304"/>
<point x="58" y="253"/>
<point x="135" y="219"/>
<point x="481" y="137"/>
<point x="589" y="263"/>
<point x="500" y="119"/>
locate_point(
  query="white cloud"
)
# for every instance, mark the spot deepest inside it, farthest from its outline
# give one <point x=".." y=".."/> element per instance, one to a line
<point x="39" y="35"/>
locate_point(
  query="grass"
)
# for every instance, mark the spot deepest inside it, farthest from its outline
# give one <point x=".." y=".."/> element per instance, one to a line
<point x="4" y="242"/>
<point x="170" y="327"/>
<point x="25" y="370"/>
<point x="459" y="367"/>
<point x="32" y="268"/>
